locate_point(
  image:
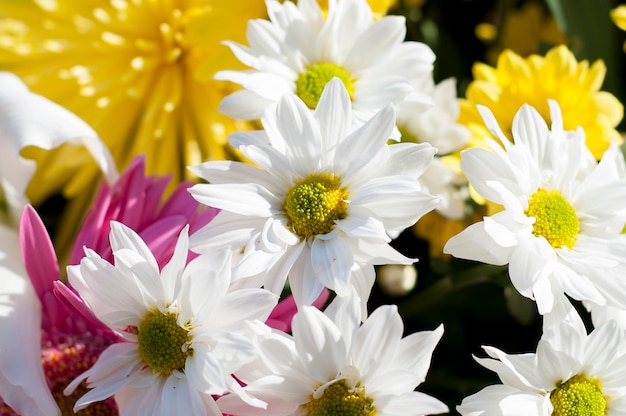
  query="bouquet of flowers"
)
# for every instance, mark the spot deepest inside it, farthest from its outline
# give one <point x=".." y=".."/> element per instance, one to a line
<point x="340" y="207"/>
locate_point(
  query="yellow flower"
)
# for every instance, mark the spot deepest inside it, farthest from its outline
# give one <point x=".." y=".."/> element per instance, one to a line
<point x="138" y="71"/>
<point x="535" y="80"/>
<point x="618" y="15"/>
<point x="524" y="30"/>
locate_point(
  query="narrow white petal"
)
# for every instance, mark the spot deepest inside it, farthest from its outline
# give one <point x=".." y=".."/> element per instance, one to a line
<point x="173" y="270"/>
<point x="244" y="199"/>
<point x="501" y="400"/>
<point x="474" y="243"/>
<point x="334" y="114"/>
<point x="305" y="286"/>
<point x="244" y="105"/>
<point x="298" y="126"/>
<point x="22" y="381"/>
<point x="414" y="403"/>
<point x="319" y="342"/>
<point x="332" y="261"/>
<point x="377" y="341"/>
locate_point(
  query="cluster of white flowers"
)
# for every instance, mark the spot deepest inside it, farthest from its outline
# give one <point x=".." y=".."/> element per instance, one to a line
<point x="316" y="209"/>
<point x="560" y="232"/>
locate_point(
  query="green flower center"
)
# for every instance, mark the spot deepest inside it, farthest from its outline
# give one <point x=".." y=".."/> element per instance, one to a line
<point x="163" y="343"/>
<point x="311" y="82"/>
<point x="555" y="218"/>
<point x="338" y="399"/>
<point x="314" y="203"/>
<point x="579" y="396"/>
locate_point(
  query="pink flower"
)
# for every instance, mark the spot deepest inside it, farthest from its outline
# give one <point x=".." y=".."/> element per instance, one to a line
<point x="71" y="338"/>
<point x="137" y="202"/>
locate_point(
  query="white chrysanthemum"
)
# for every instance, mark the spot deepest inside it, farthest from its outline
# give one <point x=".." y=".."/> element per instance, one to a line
<point x="571" y="373"/>
<point x="321" y="201"/>
<point x="298" y="52"/>
<point x="563" y="213"/>
<point x="438" y="126"/>
<point x="185" y="329"/>
<point x="333" y="366"/>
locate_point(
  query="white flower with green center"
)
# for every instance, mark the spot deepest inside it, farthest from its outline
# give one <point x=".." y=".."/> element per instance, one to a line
<point x="570" y="374"/>
<point x="298" y="51"/>
<point x="334" y="366"/>
<point x="320" y="201"/>
<point x="563" y="213"/>
<point x="186" y="328"/>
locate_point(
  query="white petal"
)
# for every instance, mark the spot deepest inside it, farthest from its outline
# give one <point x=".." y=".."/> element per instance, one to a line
<point x="173" y="270"/>
<point x="305" y="286"/>
<point x="377" y="341"/>
<point x="334" y="114"/>
<point x="29" y="119"/>
<point x="501" y="400"/>
<point x="297" y="126"/>
<point x="376" y="41"/>
<point x="245" y="304"/>
<point x="413" y="403"/>
<point x="204" y="371"/>
<point x="22" y="381"/>
<point x="319" y="342"/>
<point x="244" y="105"/>
<point x="332" y="261"/>
<point x="369" y="139"/>
<point x="244" y="199"/>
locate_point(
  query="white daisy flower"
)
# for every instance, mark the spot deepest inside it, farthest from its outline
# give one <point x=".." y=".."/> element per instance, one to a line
<point x="563" y="213"/>
<point x="185" y="329"/>
<point x="333" y="366"/>
<point x="298" y="52"/>
<point x="438" y="126"/>
<point x="571" y="373"/>
<point x="320" y="203"/>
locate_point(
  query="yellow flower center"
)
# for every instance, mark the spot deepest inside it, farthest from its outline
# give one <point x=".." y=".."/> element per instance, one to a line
<point x="338" y="399"/>
<point x="555" y="218"/>
<point x="163" y="343"/>
<point x="579" y="396"/>
<point x="311" y="82"/>
<point x="314" y="204"/>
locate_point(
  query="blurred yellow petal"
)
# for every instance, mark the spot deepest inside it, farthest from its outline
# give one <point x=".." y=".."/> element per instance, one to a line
<point x="139" y="72"/>
<point x="618" y="15"/>
<point x="379" y="7"/>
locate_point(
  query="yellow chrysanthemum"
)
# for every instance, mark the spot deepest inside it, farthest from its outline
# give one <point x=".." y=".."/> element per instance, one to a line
<point x="524" y="30"/>
<point x="535" y="80"/>
<point x="618" y="15"/>
<point x="138" y="71"/>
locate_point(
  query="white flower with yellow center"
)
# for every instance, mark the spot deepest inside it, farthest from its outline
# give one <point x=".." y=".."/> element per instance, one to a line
<point x="333" y="366"/>
<point x="563" y="213"/>
<point x="185" y="328"/>
<point x="298" y="52"/>
<point x="570" y="374"/>
<point x="320" y="201"/>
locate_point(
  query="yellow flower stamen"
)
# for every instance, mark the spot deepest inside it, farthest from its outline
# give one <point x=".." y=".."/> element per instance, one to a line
<point x="163" y="344"/>
<point x="555" y="218"/>
<point x="339" y="399"/>
<point x="579" y="396"/>
<point x="314" y="204"/>
<point x="311" y="82"/>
